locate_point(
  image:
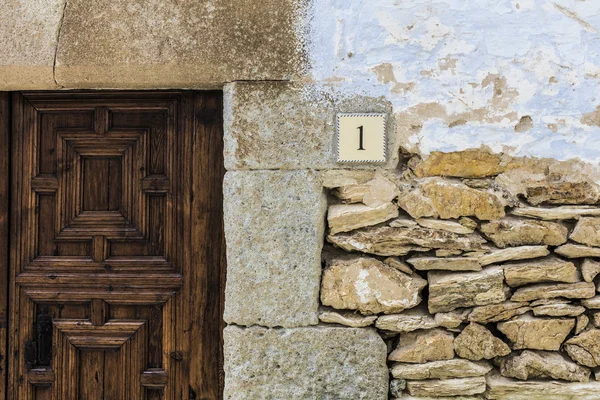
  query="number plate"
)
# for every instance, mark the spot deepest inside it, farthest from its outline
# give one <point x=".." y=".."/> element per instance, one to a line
<point x="361" y="138"/>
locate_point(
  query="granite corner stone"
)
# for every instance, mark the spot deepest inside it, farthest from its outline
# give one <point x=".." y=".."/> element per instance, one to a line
<point x="284" y="125"/>
<point x="274" y="228"/>
<point x="305" y="363"/>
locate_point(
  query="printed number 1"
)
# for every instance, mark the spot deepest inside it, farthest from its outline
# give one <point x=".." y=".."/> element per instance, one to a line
<point x="360" y="130"/>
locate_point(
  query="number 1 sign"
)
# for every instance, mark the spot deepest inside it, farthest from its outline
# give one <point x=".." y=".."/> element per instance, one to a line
<point x="361" y="138"/>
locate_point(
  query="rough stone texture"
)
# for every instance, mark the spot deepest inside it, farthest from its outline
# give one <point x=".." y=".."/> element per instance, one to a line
<point x="447" y="387"/>
<point x="589" y="269"/>
<point x="592" y="303"/>
<point x="408" y="321"/>
<point x="369" y="286"/>
<point x="28" y="39"/>
<point x="397" y="386"/>
<point x="447" y="253"/>
<point x="409" y="397"/>
<point x="305" y="363"/>
<point x="542" y="365"/>
<point x="347" y="318"/>
<point x="449" y="199"/>
<point x="500" y="388"/>
<point x="455" y="368"/>
<point x="596" y="319"/>
<point x="558" y="213"/>
<point x="519" y="232"/>
<point x="403" y="222"/>
<point x="558" y="310"/>
<point x="584" y="348"/>
<point x="287" y="126"/>
<point x="498" y="312"/>
<point x="274" y="224"/>
<point x="582" y="323"/>
<point x="476" y="343"/>
<point x="550" y="269"/>
<point x="528" y="332"/>
<point x="443" y="225"/>
<point x="587" y="231"/>
<point x="581" y="290"/>
<point x="396" y="263"/>
<point x="448" y="290"/>
<point x="178" y="43"/>
<point x="512" y="254"/>
<point x="472" y="163"/>
<point x="374" y="193"/>
<point x="388" y="241"/>
<point x="556" y="187"/>
<point x="424" y="345"/>
<point x="452" y="319"/>
<point x="577" y="251"/>
<point x="335" y="178"/>
<point x="448" y="263"/>
<point x="347" y="217"/>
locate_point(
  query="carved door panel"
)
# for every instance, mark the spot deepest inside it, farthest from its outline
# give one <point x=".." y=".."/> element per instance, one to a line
<point x="116" y="246"/>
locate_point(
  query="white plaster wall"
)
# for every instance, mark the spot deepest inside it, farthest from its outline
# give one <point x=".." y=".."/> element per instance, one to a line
<point x="463" y="73"/>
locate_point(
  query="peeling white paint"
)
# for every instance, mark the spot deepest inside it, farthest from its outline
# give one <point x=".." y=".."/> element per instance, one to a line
<point x="458" y="54"/>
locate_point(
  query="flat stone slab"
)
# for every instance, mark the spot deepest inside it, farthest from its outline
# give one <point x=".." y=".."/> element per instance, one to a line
<point x="445" y="225"/>
<point x="571" y="250"/>
<point x="501" y="388"/>
<point x="521" y="232"/>
<point x="445" y="263"/>
<point x="348" y="217"/>
<point x="305" y="363"/>
<point x="388" y="241"/>
<point x="447" y="387"/>
<point x="407" y="321"/>
<point x="558" y="310"/>
<point x="556" y="213"/>
<point x="549" y="269"/>
<point x="580" y="290"/>
<point x="455" y="368"/>
<point x="451" y="290"/>
<point x="274" y="227"/>
<point x="512" y="254"/>
<point x="498" y="312"/>
<point x="347" y="318"/>
<point x="177" y="45"/>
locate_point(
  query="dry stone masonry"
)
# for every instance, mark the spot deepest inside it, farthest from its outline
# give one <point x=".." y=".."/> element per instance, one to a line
<point x="478" y="270"/>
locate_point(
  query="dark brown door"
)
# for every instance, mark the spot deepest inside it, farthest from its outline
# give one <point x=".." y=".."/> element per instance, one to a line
<point x="116" y="246"/>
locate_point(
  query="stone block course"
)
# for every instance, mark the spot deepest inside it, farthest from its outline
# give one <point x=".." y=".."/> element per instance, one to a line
<point x="278" y="125"/>
<point x="28" y="40"/>
<point x="274" y="224"/>
<point x="305" y="363"/>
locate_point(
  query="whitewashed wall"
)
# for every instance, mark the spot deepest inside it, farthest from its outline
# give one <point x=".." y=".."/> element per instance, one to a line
<point x="461" y="74"/>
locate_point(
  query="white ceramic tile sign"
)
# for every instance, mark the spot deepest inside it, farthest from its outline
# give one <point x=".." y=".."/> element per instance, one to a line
<point x="361" y="138"/>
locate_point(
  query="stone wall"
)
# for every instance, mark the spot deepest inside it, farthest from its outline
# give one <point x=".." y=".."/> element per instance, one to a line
<point x="471" y="229"/>
<point x="477" y="269"/>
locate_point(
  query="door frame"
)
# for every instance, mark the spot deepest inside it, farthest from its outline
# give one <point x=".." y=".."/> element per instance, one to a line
<point x="5" y="146"/>
<point x="207" y="170"/>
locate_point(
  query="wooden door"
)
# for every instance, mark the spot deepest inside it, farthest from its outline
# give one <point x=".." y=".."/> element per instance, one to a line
<point x="116" y="248"/>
